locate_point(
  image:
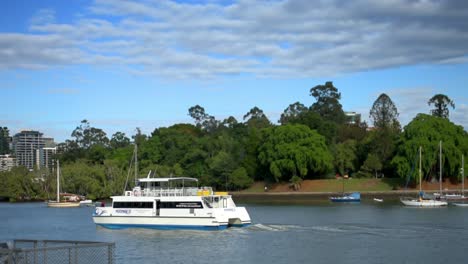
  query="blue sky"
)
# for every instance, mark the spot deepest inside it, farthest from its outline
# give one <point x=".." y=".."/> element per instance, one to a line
<point x="123" y="64"/>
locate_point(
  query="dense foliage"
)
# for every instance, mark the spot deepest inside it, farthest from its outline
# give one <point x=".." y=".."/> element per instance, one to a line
<point x="309" y="143"/>
<point x="427" y="132"/>
<point x="4" y="135"/>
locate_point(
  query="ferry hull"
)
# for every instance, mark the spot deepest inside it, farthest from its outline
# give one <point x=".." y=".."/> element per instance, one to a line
<point x="161" y="223"/>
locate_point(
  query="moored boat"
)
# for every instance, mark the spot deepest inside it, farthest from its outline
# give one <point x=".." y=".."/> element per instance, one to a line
<point x="353" y="197"/>
<point x="64" y="203"/>
<point x="168" y="203"/>
<point x="87" y="202"/>
<point x="421" y="200"/>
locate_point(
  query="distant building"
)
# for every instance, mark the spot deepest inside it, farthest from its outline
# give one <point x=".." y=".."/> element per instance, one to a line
<point x="49" y="143"/>
<point x="32" y="150"/>
<point x="353" y="118"/>
<point x="7" y="162"/>
<point x="46" y="157"/>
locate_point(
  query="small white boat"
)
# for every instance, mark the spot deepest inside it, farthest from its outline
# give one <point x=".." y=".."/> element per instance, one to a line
<point x="421" y="202"/>
<point x="460" y="204"/>
<point x="378" y="200"/>
<point x="353" y="197"/>
<point x="87" y="203"/>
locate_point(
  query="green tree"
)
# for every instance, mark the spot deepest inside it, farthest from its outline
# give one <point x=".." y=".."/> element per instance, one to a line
<point x="387" y="129"/>
<point x="119" y="140"/>
<point x="202" y="119"/>
<point x="328" y="102"/>
<point x="294" y="150"/>
<point x="239" y="179"/>
<point x="345" y="157"/>
<point x="4" y="140"/>
<point x="427" y="131"/>
<point x="87" y="136"/>
<point x="295" y="182"/>
<point x="441" y="103"/>
<point x="256" y="118"/>
<point x="371" y="166"/>
<point x="292" y="112"/>
<point x="384" y="113"/>
<point x="230" y="122"/>
<point x="313" y="120"/>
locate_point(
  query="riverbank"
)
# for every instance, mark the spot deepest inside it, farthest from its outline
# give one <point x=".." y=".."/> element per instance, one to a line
<point x="323" y="189"/>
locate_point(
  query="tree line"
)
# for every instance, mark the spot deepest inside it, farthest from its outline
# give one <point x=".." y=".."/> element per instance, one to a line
<point x="310" y="142"/>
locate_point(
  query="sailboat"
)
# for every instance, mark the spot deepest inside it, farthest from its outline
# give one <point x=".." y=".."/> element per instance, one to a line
<point x="58" y="203"/>
<point x="353" y="197"/>
<point x="421" y="201"/>
<point x="447" y="196"/>
<point x="462" y="204"/>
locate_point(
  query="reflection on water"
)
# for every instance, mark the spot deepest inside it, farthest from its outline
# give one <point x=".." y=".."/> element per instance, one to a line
<point x="325" y="233"/>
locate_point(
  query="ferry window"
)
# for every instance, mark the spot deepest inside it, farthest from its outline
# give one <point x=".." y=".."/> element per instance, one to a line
<point x="144" y="205"/>
<point x="181" y="205"/>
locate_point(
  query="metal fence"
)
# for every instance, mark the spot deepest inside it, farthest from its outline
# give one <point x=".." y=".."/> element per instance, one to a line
<point x="24" y="251"/>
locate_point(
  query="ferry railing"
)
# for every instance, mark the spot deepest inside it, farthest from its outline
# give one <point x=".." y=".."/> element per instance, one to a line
<point x="168" y="192"/>
<point x="56" y="251"/>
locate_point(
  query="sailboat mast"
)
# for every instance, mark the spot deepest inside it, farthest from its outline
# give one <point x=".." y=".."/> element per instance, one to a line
<point x="58" y="181"/>
<point x="440" y="169"/>
<point x="420" y="165"/>
<point x="463" y="175"/>
<point x="136" y="162"/>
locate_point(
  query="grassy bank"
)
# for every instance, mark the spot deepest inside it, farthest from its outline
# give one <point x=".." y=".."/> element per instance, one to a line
<point x="349" y="185"/>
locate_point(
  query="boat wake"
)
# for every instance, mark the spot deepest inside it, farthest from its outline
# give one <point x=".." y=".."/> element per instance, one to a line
<point x="274" y="228"/>
<point x="327" y="229"/>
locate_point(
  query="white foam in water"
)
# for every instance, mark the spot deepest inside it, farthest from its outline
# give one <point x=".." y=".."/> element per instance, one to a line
<point x="272" y="227"/>
<point x="327" y="229"/>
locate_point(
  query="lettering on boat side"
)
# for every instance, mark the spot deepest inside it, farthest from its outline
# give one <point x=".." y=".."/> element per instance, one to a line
<point x="123" y="211"/>
<point x="188" y="205"/>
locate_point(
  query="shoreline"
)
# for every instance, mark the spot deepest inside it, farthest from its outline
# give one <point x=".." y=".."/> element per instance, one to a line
<point x="365" y="194"/>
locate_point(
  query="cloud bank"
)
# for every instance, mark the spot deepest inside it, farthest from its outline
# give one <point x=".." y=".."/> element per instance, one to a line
<point x="300" y="38"/>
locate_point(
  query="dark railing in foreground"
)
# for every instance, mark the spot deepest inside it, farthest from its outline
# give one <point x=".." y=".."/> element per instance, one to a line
<point x="56" y="252"/>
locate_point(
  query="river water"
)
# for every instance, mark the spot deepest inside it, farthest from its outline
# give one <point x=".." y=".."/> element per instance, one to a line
<point x="313" y="233"/>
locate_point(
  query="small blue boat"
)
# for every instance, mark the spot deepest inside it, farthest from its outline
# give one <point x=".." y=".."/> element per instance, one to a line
<point x="353" y="197"/>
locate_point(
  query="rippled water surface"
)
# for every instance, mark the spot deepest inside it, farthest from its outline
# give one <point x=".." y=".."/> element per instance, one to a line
<point x="320" y="233"/>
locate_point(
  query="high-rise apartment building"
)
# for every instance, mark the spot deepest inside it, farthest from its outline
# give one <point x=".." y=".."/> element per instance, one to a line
<point x="46" y="158"/>
<point x="25" y="147"/>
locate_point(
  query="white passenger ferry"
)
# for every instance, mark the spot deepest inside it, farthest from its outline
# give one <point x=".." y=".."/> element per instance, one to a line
<point x="170" y="203"/>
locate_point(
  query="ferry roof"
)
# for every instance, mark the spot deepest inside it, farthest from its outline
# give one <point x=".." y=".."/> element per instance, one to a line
<point x="167" y="179"/>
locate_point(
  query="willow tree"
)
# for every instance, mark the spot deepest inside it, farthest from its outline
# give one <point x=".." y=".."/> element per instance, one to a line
<point x="294" y="150"/>
<point x="441" y="103"/>
<point x="427" y="131"/>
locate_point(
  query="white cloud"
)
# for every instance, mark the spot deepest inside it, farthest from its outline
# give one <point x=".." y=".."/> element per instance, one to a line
<point x="43" y="16"/>
<point x="296" y="38"/>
